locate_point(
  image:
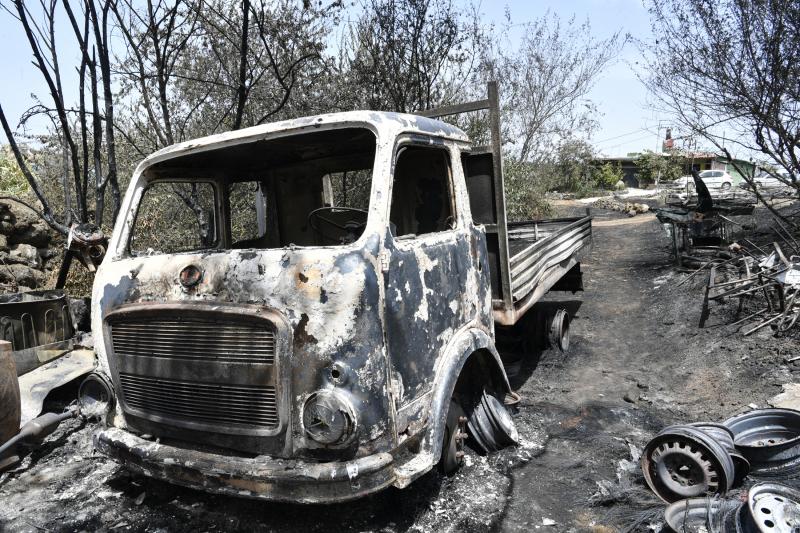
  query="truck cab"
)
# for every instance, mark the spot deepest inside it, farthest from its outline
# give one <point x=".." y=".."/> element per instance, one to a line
<point x="301" y="311"/>
<point x="301" y="293"/>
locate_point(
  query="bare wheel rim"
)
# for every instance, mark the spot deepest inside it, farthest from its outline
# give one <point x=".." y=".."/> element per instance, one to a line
<point x="453" y="440"/>
<point x="684" y="469"/>
<point x="683" y="461"/>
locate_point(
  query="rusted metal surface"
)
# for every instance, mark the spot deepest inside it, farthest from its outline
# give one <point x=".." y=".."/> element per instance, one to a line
<point x="9" y="399"/>
<point x="259" y="477"/>
<point x="766" y="287"/>
<point x="38" y="325"/>
<point x="86" y="243"/>
<point x="235" y="358"/>
<point x="527" y="258"/>
<point x="543" y="252"/>
<point x="37" y="384"/>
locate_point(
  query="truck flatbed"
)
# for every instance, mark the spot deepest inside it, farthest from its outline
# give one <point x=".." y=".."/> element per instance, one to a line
<point x="540" y="254"/>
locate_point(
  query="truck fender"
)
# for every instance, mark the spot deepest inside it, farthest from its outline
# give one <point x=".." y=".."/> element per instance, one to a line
<point x="468" y="343"/>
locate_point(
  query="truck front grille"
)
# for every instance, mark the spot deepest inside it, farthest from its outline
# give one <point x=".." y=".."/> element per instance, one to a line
<point x="203" y="402"/>
<point x="195" y="339"/>
<point x="203" y="370"/>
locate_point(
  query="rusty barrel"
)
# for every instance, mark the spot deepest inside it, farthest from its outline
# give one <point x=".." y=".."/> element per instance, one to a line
<point x="9" y="395"/>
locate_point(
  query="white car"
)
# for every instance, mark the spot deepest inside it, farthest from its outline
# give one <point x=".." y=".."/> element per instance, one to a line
<point x="765" y="180"/>
<point x="714" y="179"/>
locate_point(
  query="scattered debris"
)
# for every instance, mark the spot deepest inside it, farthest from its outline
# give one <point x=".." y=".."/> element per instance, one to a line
<point x="691" y="466"/>
<point x="767" y="507"/>
<point x="614" y="204"/>
<point x="765" y="286"/>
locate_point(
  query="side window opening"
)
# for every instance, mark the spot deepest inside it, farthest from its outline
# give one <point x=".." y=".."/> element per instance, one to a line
<point x="175" y="217"/>
<point x="345" y="205"/>
<point x="249" y="214"/>
<point x="422" y="198"/>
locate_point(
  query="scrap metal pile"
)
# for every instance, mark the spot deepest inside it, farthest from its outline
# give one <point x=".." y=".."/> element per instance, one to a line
<point x="693" y="467"/>
<point x="763" y="283"/>
<point x="702" y="224"/>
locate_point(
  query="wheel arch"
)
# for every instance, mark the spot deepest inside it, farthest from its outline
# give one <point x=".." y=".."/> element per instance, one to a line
<point x="473" y="353"/>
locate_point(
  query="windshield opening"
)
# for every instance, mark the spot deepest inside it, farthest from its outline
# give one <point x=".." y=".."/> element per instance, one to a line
<point x="310" y="189"/>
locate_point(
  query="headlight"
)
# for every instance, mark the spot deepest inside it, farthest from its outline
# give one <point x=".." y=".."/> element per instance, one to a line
<point x="328" y="417"/>
<point x="95" y="396"/>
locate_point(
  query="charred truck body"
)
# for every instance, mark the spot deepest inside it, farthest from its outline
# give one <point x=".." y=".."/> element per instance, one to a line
<point x="300" y="311"/>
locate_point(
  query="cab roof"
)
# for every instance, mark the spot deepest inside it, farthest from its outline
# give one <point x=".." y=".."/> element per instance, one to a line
<point x="385" y="124"/>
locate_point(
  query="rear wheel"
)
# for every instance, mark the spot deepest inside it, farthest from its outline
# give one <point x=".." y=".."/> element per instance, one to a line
<point x="726" y="186"/>
<point x="453" y="441"/>
<point x="558" y="330"/>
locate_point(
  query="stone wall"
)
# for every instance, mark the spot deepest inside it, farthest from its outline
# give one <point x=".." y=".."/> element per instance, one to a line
<point x="30" y="251"/>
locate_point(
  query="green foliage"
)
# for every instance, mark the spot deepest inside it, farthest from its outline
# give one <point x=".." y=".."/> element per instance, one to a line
<point x="12" y="182"/>
<point x="662" y="167"/>
<point x="570" y="167"/>
<point x="525" y="195"/>
<point x="608" y="175"/>
<point x="567" y="169"/>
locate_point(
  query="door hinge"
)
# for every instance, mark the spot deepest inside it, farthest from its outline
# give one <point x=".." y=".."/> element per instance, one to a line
<point x="384" y="259"/>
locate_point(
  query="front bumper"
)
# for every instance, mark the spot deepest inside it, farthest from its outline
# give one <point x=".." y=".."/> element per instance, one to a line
<point x="260" y="477"/>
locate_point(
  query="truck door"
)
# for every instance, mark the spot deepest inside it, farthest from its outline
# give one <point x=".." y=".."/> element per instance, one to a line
<point x="426" y="283"/>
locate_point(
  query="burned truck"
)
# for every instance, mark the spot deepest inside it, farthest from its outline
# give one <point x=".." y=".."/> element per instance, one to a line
<point x="305" y="311"/>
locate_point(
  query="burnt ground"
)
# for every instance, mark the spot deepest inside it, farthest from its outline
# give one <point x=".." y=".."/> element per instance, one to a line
<point x="637" y="362"/>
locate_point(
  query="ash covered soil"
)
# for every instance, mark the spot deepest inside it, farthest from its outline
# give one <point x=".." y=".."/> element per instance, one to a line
<point x="637" y="362"/>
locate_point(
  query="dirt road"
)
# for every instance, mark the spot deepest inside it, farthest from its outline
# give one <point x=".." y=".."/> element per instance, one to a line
<point x="637" y="362"/>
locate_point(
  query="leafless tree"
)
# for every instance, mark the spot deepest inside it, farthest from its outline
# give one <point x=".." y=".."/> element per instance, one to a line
<point x="155" y="35"/>
<point x="409" y="55"/>
<point x="546" y="81"/>
<point x="195" y="67"/>
<point x="729" y="71"/>
<point x="78" y="141"/>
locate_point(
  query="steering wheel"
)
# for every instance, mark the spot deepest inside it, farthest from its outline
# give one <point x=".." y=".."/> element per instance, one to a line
<point x="348" y="220"/>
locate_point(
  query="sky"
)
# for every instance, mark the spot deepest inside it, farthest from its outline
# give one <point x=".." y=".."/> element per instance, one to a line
<point x="627" y="122"/>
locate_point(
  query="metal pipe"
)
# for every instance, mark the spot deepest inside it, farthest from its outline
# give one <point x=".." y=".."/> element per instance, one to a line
<point x="38" y="428"/>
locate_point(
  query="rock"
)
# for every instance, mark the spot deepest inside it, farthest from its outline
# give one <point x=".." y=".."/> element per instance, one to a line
<point x="789" y="398"/>
<point x="37" y="234"/>
<point x="26" y="254"/>
<point x="48" y="253"/>
<point x="22" y="275"/>
<point x="22" y="216"/>
<point x="6" y="227"/>
<point x="3" y="243"/>
<point x="80" y="309"/>
<point x="628" y="398"/>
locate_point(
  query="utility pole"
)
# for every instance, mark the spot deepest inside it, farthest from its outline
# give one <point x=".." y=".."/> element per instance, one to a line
<point x="659" y="149"/>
